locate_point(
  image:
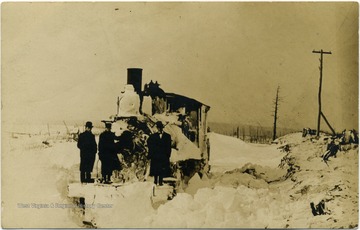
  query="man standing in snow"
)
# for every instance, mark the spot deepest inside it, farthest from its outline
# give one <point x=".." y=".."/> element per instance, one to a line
<point x="88" y="149"/>
<point x="159" y="145"/>
<point x="108" y="154"/>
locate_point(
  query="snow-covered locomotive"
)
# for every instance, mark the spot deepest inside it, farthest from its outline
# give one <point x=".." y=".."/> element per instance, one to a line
<point x="185" y="120"/>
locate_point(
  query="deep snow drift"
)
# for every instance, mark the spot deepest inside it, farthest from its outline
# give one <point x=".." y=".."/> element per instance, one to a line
<point x="228" y="153"/>
<point x="251" y="186"/>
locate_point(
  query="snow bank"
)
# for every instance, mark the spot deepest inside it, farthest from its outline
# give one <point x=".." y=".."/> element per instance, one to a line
<point x="129" y="209"/>
<point x="242" y="192"/>
<point x="228" y="153"/>
<point x="244" y="197"/>
<point x="32" y="185"/>
<point x="221" y="207"/>
<point x="312" y="180"/>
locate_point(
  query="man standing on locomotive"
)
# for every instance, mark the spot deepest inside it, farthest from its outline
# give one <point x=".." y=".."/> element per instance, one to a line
<point x="88" y="149"/>
<point x="159" y="145"/>
<point x="108" y="154"/>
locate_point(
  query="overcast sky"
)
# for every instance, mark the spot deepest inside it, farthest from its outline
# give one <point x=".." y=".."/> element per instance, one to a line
<point x="68" y="61"/>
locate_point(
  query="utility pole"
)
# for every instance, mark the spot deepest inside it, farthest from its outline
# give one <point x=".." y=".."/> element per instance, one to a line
<point x="321" y="52"/>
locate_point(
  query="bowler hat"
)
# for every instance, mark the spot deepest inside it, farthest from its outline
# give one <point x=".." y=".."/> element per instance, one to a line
<point x="89" y="124"/>
<point x="132" y="121"/>
<point x="159" y="124"/>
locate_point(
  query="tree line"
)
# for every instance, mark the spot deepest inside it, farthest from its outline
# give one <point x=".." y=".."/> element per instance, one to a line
<point x="248" y="133"/>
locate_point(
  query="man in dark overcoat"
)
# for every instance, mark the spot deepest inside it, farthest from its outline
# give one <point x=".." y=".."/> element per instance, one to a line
<point x="108" y="154"/>
<point x="88" y="149"/>
<point x="159" y="145"/>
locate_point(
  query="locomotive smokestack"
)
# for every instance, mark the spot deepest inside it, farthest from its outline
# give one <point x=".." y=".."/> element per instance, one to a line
<point x="134" y="77"/>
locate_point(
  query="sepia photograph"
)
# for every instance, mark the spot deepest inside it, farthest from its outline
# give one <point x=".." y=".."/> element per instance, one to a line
<point x="180" y="115"/>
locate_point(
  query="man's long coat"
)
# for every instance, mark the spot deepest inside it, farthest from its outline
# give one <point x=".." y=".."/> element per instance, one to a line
<point x="159" y="154"/>
<point x="88" y="149"/>
<point x="108" y="153"/>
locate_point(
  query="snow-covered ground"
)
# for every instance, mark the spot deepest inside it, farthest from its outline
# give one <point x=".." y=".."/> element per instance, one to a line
<point x="246" y="189"/>
<point x="228" y="153"/>
<point x="35" y="175"/>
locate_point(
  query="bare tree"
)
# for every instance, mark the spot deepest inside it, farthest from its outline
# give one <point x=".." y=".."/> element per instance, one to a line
<point x="243" y="132"/>
<point x="276" y="107"/>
